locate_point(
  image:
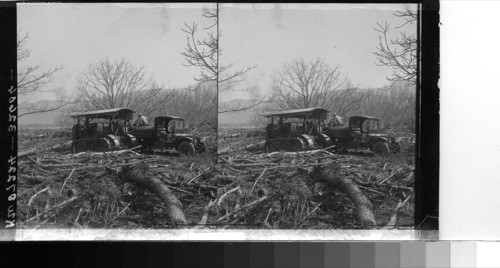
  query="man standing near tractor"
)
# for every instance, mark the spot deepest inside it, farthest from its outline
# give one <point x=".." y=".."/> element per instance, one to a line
<point x="335" y="121"/>
<point x="141" y="121"/>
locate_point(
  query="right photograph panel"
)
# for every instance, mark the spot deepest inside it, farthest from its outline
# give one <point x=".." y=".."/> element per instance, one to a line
<point x="317" y="116"/>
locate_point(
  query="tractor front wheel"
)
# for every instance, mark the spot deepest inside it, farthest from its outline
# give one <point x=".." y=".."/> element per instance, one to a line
<point x="381" y="148"/>
<point x="186" y="148"/>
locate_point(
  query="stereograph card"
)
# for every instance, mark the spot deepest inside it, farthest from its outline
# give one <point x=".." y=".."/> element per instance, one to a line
<point x="218" y="121"/>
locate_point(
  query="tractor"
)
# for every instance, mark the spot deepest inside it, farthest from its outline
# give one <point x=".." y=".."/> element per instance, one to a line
<point x="362" y="132"/>
<point x="102" y="130"/>
<point x="296" y="130"/>
<point x="168" y="132"/>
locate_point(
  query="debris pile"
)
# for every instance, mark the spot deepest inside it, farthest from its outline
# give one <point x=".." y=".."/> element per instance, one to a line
<point x="235" y="189"/>
<point x="57" y="189"/>
<point x="317" y="189"/>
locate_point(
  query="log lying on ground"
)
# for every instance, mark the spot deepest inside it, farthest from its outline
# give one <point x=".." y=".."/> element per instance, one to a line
<point x="63" y="145"/>
<point x="255" y="147"/>
<point x="141" y="173"/>
<point x="392" y="222"/>
<point x="333" y="175"/>
<point x="131" y="150"/>
<point x="26" y="153"/>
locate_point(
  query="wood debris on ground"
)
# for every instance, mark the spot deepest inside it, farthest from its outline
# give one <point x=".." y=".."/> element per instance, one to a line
<point x="237" y="188"/>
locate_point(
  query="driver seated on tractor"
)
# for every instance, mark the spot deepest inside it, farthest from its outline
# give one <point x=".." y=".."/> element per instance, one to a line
<point x="270" y="130"/>
<point x="118" y="128"/>
<point x="284" y="129"/>
<point x="141" y="121"/>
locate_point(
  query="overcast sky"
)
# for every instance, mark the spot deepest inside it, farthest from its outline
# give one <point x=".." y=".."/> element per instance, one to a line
<point x="267" y="36"/>
<point x="76" y="35"/>
<point x="270" y="35"/>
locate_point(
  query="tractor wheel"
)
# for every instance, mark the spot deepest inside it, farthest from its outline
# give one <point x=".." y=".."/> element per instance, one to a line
<point x="186" y="148"/>
<point x="380" y="148"/>
<point x="78" y="146"/>
<point x="324" y="141"/>
<point x="270" y="146"/>
<point x="396" y="147"/>
<point x="201" y="148"/>
<point x="101" y="145"/>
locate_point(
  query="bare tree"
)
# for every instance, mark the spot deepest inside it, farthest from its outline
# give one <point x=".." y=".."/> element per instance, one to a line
<point x="301" y="84"/>
<point x="108" y="84"/>
<point x="199" y="107"/>
<point x="204" y="53"/>
<point x="400" y="52"/>
<point x="394" y="105"/>
<point x="33" y="79"/>
<point x="63" y="120"/>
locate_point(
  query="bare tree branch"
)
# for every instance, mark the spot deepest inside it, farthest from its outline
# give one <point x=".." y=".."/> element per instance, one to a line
<point x="301" y="84"/>
<point x="230" y="109"/>
<point x="42" y="108"/>
<point x="107" y="85"/>
<point x="399" y="53"/>
<point x="204" y="53"/>
<point x="32" y="79"/>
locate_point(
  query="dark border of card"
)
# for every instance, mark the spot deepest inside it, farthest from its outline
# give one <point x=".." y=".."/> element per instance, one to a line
<point x="8" y="120"/>
<point x="427" y="110"/>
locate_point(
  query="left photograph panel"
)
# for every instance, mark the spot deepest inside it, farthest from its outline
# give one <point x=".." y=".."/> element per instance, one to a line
<point x="117" y="115"/>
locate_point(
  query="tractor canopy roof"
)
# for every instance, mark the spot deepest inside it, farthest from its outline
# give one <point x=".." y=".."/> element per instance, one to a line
<point x="314" y="112"/>
<point x="118" y="113"/>
<point x="169" y="117"/>
<point x="363" y="117"/>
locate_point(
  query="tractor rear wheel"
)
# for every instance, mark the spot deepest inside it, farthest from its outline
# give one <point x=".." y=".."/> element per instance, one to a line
<point x="186" y="148"/>
<point x="381" y="148"/>
<point x="78" y="146"/>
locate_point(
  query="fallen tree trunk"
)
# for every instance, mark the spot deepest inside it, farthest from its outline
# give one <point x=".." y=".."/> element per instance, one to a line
<point x="141" y="173"/>
<point x="333" y="175"/>
<point x="26" y="153"/>
<point x="62" y="145"/>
